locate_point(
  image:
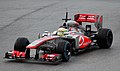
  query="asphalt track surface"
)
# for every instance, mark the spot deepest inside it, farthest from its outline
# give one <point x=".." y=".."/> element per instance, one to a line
<point x="29" y="17"/>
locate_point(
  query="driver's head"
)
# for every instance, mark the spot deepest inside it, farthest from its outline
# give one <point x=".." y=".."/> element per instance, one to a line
<point x="72" y="23"/>
<point x="61" y="31"/>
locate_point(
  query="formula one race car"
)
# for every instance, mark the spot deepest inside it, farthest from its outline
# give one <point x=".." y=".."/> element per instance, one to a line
<point x="59" y="46"/>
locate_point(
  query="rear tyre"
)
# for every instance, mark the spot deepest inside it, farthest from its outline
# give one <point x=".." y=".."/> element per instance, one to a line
<point x="64" y="48"/>
<point x="104" y="38"/>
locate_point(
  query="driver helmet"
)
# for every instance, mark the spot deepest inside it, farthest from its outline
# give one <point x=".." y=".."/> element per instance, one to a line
<point x="72" y="23"/>
<point x="61" y="31"/>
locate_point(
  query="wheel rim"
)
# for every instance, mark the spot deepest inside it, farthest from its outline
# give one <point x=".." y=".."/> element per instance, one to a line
<point x="67" y="52"/>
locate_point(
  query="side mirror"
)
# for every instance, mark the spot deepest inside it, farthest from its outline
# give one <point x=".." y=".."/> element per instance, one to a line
<point x="39" y="36"/>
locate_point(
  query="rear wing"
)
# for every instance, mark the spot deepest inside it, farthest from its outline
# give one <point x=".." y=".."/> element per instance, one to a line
<point x="86" y="18"/>
<point x="92" y="18"/>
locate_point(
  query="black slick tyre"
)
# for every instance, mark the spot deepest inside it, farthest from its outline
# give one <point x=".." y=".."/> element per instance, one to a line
<point x="64" y="48"/>
<point x="20" y="44"/>
<point x="104" y="38"/>
<point x="74" y="51"/>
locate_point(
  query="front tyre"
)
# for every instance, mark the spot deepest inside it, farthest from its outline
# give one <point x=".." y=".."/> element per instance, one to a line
<point x="104" y="38"/>
<point x="20" y="45"/>
<point x="64" y="48"/>
<point x="74" y="51"/>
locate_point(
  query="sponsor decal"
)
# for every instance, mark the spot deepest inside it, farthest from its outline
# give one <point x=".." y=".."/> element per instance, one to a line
<point x="81" y="40"/>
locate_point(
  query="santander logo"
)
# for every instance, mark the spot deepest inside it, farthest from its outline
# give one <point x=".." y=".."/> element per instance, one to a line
<point x="81" y="40"/>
